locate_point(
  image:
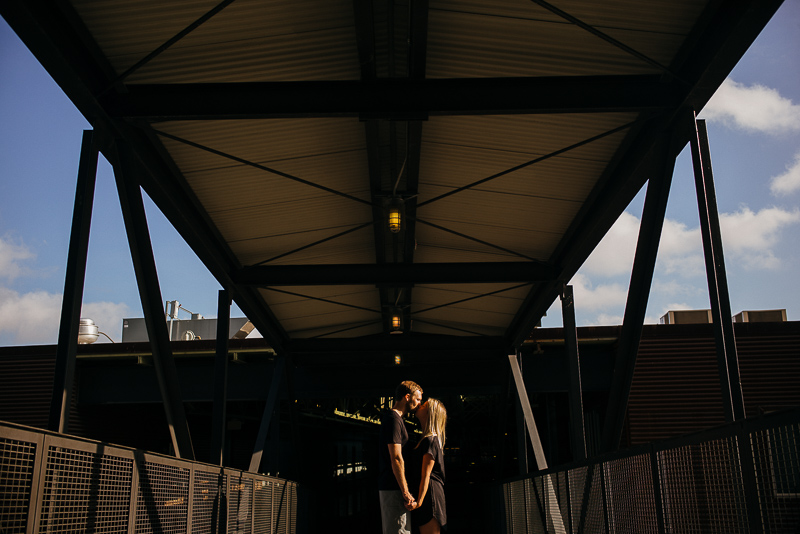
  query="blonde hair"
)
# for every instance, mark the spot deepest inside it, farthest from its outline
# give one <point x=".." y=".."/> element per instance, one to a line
<point x="437" y="420"/>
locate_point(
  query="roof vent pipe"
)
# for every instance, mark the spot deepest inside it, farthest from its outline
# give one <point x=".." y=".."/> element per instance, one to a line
<point x="87" y="332"/>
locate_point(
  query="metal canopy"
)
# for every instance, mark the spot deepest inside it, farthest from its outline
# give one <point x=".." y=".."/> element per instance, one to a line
<point x="273" y="136"/>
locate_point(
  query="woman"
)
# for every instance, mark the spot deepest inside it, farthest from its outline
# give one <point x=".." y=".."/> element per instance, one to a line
<point x="429" y="513"/>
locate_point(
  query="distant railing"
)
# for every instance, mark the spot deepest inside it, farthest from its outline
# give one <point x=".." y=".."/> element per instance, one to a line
<point x="743" y="477"/>
<point x="54" y="483"/>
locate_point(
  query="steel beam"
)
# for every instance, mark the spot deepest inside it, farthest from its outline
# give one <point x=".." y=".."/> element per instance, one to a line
<point x="655" y="208"/>
<point x="220" y="378"/>
<point x="727" y="358"/>
<point x="552" y="512"/>
<point x="394" y="274"/>
<point x="397" y="98"/>
<point x="525" y="403"/>
<point x="73" y="285"/>
<point x="719" y="40"/>
<point x="266" y="417"/>
<point x="577" y="432"/>
<point x="133" y="214"/>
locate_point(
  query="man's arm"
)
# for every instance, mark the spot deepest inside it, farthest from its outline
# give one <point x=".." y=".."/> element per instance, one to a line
<point x="399" y="470"/>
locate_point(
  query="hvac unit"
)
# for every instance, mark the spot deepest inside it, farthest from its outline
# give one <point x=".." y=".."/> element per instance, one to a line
<point x="760" y="316"/>
<point x="686" y="317"/>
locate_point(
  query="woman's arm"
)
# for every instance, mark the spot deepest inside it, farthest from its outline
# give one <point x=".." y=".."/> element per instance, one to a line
<point x="427" y="467"/>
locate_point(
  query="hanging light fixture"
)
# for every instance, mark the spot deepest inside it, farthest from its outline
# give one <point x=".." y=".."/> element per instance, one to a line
<point x="396" y="213"/>
<point x="397" y="321"/>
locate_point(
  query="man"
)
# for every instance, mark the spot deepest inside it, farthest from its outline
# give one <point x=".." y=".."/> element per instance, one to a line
<point x="393" y="488"/>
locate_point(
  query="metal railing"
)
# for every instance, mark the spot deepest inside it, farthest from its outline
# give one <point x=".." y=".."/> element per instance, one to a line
<point x="742" y="477"/>
<point x="54" y="483"/>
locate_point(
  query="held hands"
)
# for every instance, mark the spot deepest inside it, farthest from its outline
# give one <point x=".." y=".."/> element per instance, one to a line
<point x="410" y="502"/>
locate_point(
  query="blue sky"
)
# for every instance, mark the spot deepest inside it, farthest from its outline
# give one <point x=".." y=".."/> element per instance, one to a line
<point x="754" y="131"/>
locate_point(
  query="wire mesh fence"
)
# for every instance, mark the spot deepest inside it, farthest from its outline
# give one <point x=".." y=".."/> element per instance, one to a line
<point x="740" y="478"/>
<point x="52" y="483"/>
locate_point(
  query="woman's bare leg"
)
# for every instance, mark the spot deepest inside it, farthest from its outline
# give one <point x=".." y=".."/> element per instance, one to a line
<point x="431" y="527"/>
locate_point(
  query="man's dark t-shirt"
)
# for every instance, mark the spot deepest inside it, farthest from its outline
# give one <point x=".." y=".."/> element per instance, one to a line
<point x="393" y="430"/>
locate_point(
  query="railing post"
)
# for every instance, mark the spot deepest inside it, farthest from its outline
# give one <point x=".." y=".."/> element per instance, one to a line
<point x="657" y="497"/>
<point x="747" y="465"/>
<point x="604" y="497"/>
<point x="134" y="497"/>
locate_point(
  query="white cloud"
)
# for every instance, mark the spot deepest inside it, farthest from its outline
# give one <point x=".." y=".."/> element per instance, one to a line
<point x="11" y="256"/>
<point x="33" y="318"/>
<point x="603" y="297"/>
<point x="605" y="319"/>
<point x="30" y="318"/>
<point x="680" y="250"/>
<point x="788" y="182"/>
<point x="750" y="237"/>
<point x="754" y="108"/>
<point x="614" y="255"/>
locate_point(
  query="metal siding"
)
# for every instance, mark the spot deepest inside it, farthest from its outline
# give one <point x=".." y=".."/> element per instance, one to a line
<point x="676" y="389"/>
<point x="26" y="387"/>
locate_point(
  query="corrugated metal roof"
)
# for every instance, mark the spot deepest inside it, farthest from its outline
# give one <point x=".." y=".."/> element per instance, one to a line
<point x="275" y="133"/>
<point x="248" y="40"/>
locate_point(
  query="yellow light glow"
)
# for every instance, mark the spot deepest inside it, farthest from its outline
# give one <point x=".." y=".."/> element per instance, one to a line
<point x="395" y="220"/>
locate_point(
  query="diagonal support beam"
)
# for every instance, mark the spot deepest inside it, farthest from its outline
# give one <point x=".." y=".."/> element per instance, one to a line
<point x="395" y="274"/>
<point x="266" y="417"/>
<point x="655" y="208"/>
<point x="144" y="265"/>
<point x="554" y="517"/>
<point x="577" y="432"/>
<point x="728" y="360"/>
<point x="530" y="423"/>
<point x="73" y="285"/>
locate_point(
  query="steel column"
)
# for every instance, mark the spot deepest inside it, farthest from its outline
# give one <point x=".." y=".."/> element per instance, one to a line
<point x="133" y="214"/>
<point x="220" y="378"/>
<point x="655" y="208"/>
<point x="266" y="417"/>
<point x="728" y="360"/>
<point x="577" y="432"/>
<point x="73" y="285"/>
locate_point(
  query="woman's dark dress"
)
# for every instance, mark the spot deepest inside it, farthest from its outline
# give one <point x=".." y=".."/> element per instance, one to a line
<point x="433" y="506"/>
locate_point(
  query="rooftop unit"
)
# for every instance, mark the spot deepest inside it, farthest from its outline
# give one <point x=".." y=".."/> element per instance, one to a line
<point x="187" y="329"/>
<point x="760" y="316"/>
<point x="704" y="316"/>
<point x="686" y="317"/>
